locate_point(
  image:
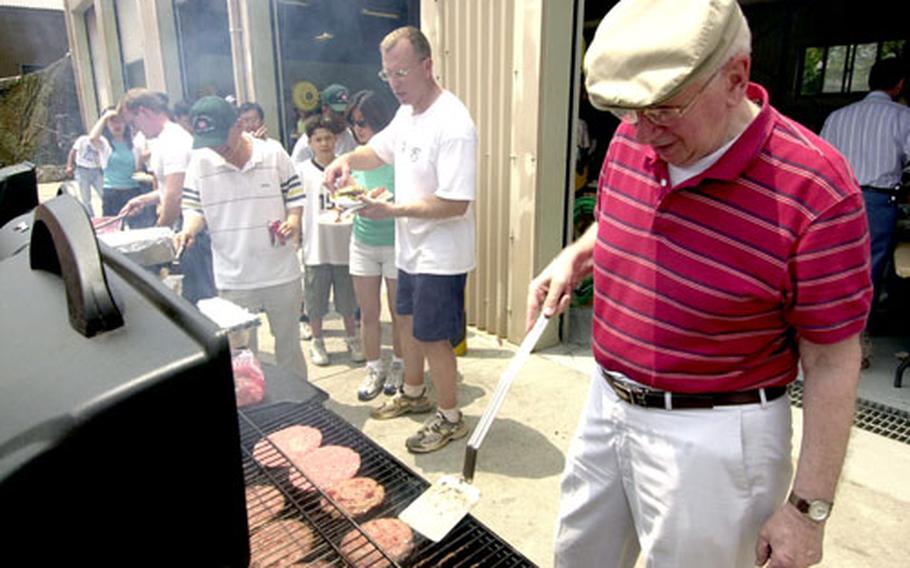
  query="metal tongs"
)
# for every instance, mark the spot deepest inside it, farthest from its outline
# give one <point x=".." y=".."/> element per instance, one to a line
<point x="446" y="502"/>
<point x="109" y="222"/>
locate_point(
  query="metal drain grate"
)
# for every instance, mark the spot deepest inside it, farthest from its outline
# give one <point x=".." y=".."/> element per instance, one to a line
<point x="870" y="416"/>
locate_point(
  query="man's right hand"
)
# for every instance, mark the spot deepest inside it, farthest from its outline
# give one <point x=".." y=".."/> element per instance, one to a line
<point x="552" y="290"/>
<point x="133" y="207"/>
<point x="337" y="173"/>
<point x="184" y="240"/>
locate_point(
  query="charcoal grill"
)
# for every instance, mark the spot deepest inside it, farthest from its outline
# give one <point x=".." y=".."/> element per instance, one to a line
<point x="469" y="544"/>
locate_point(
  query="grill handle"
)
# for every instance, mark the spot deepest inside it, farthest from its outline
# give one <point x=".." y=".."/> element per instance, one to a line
<point x="502" y="388"/>
<point x="63" y="243"/>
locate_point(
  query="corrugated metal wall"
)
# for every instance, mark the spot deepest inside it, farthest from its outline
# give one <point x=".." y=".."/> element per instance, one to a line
<point x="494" y="55"/>
<point x="472" y="42"/>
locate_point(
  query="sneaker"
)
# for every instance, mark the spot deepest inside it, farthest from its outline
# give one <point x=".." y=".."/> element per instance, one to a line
<point x="435" y="434"/>
<point x="394" y="379"/>
<point x="318" y="353"/>
<point x="402" y="404"/>
<point x="355" y="349"/>
<point x="306" y="333"/>
<point x="371" y="385"/>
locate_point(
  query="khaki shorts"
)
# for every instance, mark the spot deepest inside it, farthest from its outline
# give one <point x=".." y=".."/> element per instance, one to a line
<point x="319" y="280"/>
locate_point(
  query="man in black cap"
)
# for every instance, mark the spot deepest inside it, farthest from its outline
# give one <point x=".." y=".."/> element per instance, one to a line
<point x="247" y="193"/>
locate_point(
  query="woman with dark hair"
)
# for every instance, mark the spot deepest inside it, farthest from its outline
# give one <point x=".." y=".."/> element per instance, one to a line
<point x="372" y="255"/>
<point x="121" y="161"/>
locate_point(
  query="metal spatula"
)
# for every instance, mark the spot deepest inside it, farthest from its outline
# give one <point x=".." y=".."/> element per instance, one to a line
<point x="439" y="508"/>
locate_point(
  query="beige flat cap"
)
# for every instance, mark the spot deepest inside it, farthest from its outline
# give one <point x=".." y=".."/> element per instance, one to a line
<point x="645" y="51"/>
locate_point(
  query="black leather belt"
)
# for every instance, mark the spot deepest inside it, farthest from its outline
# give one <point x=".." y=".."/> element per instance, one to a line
<point x="650" y="398"/>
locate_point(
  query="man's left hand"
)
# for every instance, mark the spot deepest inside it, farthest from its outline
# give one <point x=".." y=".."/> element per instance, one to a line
<point x="789" y="540"/>
<point x="376" y="209"/>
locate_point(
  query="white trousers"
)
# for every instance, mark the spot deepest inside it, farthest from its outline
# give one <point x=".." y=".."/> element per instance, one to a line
<point x="281" y="304"/>
<point x="685" y="488"/>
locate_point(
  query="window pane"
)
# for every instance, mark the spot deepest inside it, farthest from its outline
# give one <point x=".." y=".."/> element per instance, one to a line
<point x="812" y="71"/>
<point x="205" y="48"/>
<point x="862" y="63"/>
<point x="893" y="48"/>
<point x="834" y="70"/>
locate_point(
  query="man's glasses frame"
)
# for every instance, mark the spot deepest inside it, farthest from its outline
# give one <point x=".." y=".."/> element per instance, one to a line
<point x="398" y="73"/>
<point x="661" y="115"/>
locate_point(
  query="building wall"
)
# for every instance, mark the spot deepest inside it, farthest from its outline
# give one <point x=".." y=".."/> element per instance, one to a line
<point x="30" y="37"/>
<point x="509" y="62"/>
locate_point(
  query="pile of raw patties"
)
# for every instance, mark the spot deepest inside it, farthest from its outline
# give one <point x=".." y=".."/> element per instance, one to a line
<point x="279" y="541"/>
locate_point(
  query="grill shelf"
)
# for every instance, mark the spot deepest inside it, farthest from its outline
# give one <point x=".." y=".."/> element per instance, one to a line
<point x="469" y="544"/>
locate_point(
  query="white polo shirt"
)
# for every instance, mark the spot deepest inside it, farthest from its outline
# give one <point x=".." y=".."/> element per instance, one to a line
<point x="238" y="205"/>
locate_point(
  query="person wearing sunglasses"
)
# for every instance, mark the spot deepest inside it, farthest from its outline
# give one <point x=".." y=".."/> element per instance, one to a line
<point x="729" y="248"/>
<point x="432" y="143"/>
<point x="372" y="255"/>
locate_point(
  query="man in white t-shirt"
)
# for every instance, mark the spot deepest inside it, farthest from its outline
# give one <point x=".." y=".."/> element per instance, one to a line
<point x="171" y="147"/>
<point x="86" y="161"/>
<point x="146" y="111"/>
<point x="335" y="99"/>
<point x="432" y="142"/>
<point x="248" y="195"/>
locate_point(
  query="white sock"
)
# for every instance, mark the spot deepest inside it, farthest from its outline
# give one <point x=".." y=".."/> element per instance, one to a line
<point x="412" y="391"/>
<point x="375" y="365"/>
<point x="452" y="415"/>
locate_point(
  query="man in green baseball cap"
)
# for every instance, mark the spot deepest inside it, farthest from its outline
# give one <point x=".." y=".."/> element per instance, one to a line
<point x="212" y="119"/>
<point x="336" y="97"/>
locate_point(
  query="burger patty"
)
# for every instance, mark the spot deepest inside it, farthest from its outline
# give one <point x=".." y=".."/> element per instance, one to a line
<point x="393" y="536"/>
<point x="280" y="543"/>
<point x="262" y="503"/>
<point x="325" y="467"/>
<point x="294" y="441"/>
<point x="356" y="496"/>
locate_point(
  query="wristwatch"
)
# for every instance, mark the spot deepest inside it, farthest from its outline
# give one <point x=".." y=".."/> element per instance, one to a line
<point x="814" y="509"/>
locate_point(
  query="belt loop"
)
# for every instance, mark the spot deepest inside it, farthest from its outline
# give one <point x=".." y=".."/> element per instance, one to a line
<point x="668" y="400"/>
<point x="762" y="397"/>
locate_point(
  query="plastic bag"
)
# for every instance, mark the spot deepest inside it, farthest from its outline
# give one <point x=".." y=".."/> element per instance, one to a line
<point x="249" y="381"/>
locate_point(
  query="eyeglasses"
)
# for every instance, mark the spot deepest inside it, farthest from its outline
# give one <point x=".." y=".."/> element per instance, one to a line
<point x="660" y="115"/>
<point x="397" y="74"/>
<point x="361" y="123"/>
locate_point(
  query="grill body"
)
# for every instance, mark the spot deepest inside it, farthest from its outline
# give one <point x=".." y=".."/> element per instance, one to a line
<point x="118" y="435"/>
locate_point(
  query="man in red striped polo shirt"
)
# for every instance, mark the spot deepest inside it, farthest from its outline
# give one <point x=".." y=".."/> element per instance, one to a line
<point x="730" y="246"/>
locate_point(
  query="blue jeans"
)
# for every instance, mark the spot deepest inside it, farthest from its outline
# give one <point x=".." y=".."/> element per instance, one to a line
<point x="87" y="178"/>
<point x="881" y="211"/>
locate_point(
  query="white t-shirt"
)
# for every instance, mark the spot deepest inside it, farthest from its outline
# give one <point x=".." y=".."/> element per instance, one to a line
<point x="323" y="243"/>
<point x="434" y="153"/>
<point x="238" y="205"/>
<point x="90" y="155"/>
<point x="171" y="151"/>
<point x="302" y="152"/>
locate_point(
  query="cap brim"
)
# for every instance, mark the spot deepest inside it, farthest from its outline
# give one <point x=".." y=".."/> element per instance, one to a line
<point x="338" y="107"/>
<point x="209" y="140"/>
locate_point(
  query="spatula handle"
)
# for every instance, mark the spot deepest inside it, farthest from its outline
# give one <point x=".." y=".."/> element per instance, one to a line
<point x="508" y="376"/>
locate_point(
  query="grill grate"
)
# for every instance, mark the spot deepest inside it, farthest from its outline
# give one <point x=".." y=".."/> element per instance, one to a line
<point x="469" y="544"/>
<point x="870" y="416"/>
